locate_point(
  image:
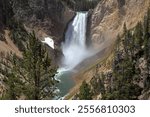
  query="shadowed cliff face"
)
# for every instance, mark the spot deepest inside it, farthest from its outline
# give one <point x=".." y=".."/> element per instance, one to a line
<point x="48" y="16"/>
<point x="5" y="13"/>
<point x="1" y="17"/>
<point x="45" y="17"/>
<point x="109" y="17"/>
<point x="81" y="5"/>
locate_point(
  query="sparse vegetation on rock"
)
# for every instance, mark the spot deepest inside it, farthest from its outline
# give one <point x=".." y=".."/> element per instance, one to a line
<point x="30" y="77"/>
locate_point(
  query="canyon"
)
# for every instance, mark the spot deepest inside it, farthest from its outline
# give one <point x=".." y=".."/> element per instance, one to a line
<point x="51" y="18"/>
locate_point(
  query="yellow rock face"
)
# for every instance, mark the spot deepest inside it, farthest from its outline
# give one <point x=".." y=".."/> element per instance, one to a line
<point x="109" y="17"/>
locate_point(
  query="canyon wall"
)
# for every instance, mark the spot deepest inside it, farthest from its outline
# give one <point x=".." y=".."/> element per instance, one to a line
<point x="45" y="17"/>
<point x="49" y="16"/>
<point x="105" y="23"/>
<point x="109" y="17"/>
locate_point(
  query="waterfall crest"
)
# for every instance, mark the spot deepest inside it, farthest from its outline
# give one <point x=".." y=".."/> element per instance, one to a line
<point x="74" y="48"/>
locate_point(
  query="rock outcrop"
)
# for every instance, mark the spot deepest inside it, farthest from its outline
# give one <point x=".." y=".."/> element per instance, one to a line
<point x="106" y="22"/>
<point x="46" y="17"/>
<point x="109" y="17"/>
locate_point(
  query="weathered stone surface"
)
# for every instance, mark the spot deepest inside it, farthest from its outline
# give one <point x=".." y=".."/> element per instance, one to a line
<point x="109" y="17"/>
<point x="46" y="17"/>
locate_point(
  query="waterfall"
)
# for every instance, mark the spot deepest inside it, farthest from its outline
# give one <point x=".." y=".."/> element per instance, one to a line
<point x="74" y="48"/>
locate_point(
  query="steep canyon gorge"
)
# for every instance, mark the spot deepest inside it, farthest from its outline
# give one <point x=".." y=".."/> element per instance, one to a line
<point x="101" y="25"/>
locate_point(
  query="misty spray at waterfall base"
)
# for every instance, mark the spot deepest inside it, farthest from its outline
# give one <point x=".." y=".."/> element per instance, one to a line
<point x="74" y="48"/>
<point x="74" y="51"/>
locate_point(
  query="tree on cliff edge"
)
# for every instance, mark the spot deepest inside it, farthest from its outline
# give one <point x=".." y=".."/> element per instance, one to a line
<point x="85" y="92"/>
<point x="31" y="77"/>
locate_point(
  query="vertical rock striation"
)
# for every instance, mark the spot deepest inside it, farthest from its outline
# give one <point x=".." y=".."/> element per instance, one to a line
<point x="109" y="17"/>
<point x="48" y="16"/>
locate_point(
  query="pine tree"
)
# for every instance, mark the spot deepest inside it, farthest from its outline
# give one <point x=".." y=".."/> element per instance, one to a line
<point x="32" y="76"/>
<point x="40" y="74"/>
<point x="10" y="77"/>
<point x="147" y="47"/>
<point x="85" y="92"/>
<point x="138" y="36"/>
<point x="97" y="84"/>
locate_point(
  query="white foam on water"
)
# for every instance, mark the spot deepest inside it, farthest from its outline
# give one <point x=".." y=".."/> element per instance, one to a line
<point x="74" y="48"/>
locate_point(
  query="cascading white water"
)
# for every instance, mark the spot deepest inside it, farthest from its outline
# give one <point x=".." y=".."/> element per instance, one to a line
<point x="74" y="52"/>
<point x="74" y="48"/>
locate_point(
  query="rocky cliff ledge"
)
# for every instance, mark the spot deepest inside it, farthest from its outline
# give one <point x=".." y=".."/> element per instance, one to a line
<point x="106" y="22"/>
<point x="45" y="17"/>
<point x="109" y="17"/>
<point x="48" y="16"/>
